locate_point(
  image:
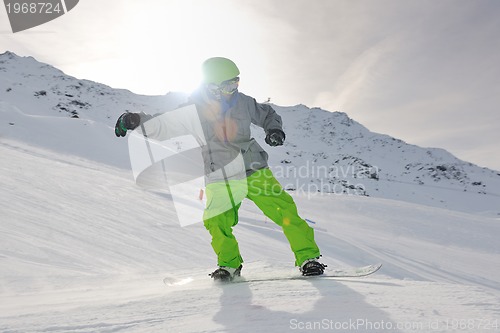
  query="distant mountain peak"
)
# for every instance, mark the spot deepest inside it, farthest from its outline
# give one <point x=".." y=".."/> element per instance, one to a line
<point x="8" y="54"/>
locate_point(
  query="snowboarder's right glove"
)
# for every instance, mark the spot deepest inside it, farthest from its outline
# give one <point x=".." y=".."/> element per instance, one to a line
<point x="275" y="137"/>
<point x="127" y="121"/>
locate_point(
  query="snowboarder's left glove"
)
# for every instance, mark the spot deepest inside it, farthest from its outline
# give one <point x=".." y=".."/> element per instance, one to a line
<point x="127" y="121"/>
<point x="275" y="137"/>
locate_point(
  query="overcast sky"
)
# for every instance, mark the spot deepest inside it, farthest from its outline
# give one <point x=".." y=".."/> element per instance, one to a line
<point x="424" y="71"/>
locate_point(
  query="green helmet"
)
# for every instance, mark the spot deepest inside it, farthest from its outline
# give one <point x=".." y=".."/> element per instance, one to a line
<point x="217" y="70"/>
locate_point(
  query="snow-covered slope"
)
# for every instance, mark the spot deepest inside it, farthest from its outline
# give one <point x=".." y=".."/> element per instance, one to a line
<point x="325" y="152"/>
<point x="84" y="250"/>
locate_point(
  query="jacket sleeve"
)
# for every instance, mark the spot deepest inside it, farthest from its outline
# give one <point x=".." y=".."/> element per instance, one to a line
<point x="172" y="124"/>
<point x="265" y="117"/>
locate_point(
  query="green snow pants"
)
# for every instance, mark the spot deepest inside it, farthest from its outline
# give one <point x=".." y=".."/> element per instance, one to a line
<point x="267" y="193"/>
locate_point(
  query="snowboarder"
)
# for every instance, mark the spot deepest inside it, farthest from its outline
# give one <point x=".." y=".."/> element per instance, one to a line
<point x="226" y="115"/>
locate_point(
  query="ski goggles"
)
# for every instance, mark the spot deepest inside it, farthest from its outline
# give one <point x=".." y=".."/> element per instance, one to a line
<point x="227" y="87"/>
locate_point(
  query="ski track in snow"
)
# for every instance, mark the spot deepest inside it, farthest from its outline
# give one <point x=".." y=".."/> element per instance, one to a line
<point x="84" y="250"/>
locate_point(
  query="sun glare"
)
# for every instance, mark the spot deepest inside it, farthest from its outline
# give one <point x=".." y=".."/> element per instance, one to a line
<point x="167" y="42"/>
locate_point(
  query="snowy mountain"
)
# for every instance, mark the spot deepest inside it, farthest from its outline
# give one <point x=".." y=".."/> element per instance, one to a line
<point x="82" y="249"/>
<point x="325" y="152"/>
<point x="329" y="152"/>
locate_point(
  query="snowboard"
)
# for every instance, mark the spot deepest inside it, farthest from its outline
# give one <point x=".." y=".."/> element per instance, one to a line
<point x="350" y="272"/>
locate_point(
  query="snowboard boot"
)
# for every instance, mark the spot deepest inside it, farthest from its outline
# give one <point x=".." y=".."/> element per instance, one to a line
<point x="225" y="274"/>
<point x="312" y="267"/>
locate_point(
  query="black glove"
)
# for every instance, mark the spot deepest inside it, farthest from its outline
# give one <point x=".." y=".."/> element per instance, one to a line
<point x="127" y="121"/>
<point x="275" y="137"/>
